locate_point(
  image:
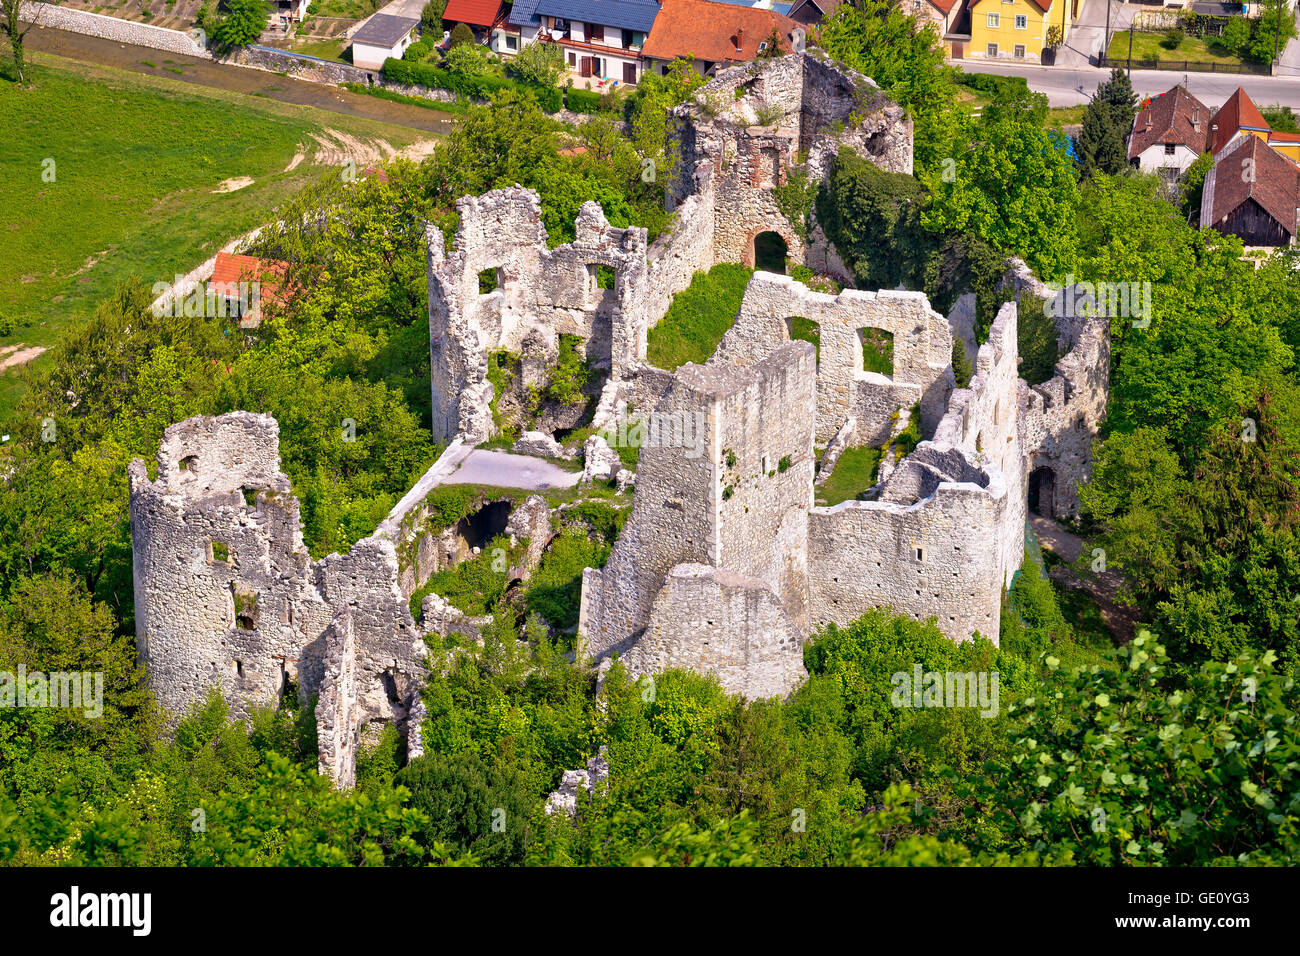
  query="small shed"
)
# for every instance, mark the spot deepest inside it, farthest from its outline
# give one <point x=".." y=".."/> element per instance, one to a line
<point x="381" y="37"/>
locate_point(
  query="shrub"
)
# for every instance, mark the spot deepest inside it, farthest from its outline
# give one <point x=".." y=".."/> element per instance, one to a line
<point x="1173" y="39"/>
<point x="460" y="35"/>
<point x="431" y="19"/>
<point x="468" y="59"/>
<point x="583" y="101"/>
<point x="243" y="24"/>
<point x="1235" y="36"/>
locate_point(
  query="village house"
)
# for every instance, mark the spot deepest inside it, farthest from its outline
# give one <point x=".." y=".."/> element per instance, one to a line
<point x="1169" y="132"/>
<point x="244" y="284"/>
<point x="1251" y="192"/>
<point x="714" y="34"/>
<point x="811" y="12"/>
<point x="601" y="39"/>
<point x="1011" y="29"/>
<point x="381" y="37"/>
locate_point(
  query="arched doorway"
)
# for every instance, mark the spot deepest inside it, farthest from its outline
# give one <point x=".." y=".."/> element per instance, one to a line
<point x="1042" y="492"/>
<point x="769" y="252"/>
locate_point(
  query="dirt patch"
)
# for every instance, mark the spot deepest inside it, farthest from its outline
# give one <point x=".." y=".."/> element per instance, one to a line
<point x="11" y="356"/>
<point x="231" y="185"/>
<point x="295" y="162"/>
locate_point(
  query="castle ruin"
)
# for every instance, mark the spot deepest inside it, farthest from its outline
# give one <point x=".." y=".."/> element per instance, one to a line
<point x="725" y="564"/>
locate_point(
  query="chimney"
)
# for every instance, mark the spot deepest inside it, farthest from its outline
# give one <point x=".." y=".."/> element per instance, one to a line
<point x="739" y="38"/>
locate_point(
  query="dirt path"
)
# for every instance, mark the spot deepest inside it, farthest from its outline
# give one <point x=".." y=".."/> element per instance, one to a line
<point x="11" y="356"/>
<point x="1103" y="587"/>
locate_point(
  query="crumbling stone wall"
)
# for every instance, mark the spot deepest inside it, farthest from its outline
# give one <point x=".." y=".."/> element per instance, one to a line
<point x="739" y="506"/>
<point x="922" y="352"/>
<point x="226" y="595"/>
<point x="752" y="124"/>
<point x="541" y="294"/>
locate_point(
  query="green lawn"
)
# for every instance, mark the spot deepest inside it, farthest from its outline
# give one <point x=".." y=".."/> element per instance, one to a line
<point x="1149" y="46"/>
<point x="854" y="473"/>
<point x="699" y="317"/>
<point x="131" y="187"/>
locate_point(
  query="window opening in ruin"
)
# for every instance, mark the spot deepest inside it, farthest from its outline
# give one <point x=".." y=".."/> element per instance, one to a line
<point x="219" y="551"/>
<point x="805" y="330"/>
<point x="606" y="276"/>
<point x="250" y="496"/>
<point x="239" y="668"/>
<point x="1042" y="492"/>
<point x="770" y="252"/>
<point x="920" y="554"/>
<point x="489" y="280"/>
<point x="979" y="443"/>
<point x="189" y="463"/>
<point x="485" y="524"/>
<point x="245" y="611"/>
<point x="877" y="351"/>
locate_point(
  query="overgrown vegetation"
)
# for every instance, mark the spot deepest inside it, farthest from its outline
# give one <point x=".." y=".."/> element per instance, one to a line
<point x="699" y="317"/>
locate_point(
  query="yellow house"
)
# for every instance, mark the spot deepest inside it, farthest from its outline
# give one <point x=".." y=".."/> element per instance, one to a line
<point x="1015" y="29"/>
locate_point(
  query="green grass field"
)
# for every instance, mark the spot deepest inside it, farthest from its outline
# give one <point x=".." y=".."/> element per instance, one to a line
<point x="854" y="473"/>
<point x="699" y="317"/>
<point x="1149" y="46"/>
<point x="106" y="174"/>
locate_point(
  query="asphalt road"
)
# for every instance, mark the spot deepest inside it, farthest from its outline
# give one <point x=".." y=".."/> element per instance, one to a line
<point x="1071" y="87"/>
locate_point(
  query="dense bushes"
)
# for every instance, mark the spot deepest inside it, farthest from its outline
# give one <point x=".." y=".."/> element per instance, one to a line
<point x="464" y="84"/>
<point x="582" y="101"/>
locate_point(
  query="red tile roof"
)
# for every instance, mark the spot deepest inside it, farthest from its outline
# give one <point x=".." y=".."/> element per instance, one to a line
<point x="945" y="6"/>
<point x="1274" y="185"/>
<point x="712" y="31"/>
<point x="230" y="270"/>
<point x="478" y="13"/>
<point x="1236" y="114"/>
<point x="1173" y="117"/>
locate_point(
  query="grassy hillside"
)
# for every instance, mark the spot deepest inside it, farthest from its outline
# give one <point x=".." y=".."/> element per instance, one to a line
<point x="136" y="184"/>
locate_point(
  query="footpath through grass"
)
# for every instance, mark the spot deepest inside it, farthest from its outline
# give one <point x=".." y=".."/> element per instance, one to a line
<point x="107" y="173"/>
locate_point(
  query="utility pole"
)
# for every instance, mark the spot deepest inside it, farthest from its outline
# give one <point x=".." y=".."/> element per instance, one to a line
<point x="1278" y="37"/>
<point x="1130" y="52"/>
<point x="1105" y="48"/>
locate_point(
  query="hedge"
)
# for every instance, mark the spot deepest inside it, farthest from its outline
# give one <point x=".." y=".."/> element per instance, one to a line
<point x="482" y="87"/>
<point x="990" y="82"/>
<point x="583" y="101"/>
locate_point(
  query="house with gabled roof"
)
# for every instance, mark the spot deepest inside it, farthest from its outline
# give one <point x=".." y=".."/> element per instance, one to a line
<point x="1252" y="192"/>
<point x="714" y="34"/>
<point x="1169" y="132"/>
<point x="601" y="39"/>
<point x="1014" y="29"/>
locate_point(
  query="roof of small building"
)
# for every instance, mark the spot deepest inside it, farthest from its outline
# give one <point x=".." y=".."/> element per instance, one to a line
<point x="384" y="29"/>
<point x="1236" y="114"/>
<point x="718" y="32"/>
<point x="1275" y="183"/>
<point x="523" y="13"/>
<point x="231" y="269"/>
<point x="477" y="13"/>
<point x="827" y="7"/>
<point x="628" y="14"/>
<point x="1175" y="116"/>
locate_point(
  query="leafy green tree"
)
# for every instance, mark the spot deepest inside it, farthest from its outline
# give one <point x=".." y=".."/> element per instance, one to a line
<point x="540" y="63"/>
<point x="471" y="806"/>
<point x="907" y="61"/>
<point x="244" y="21"/>
<point x="1101" y="140"/>
<point x="1273" y="28"/>
<point x="1236" y="35"/>
<point x="431" y="18"/>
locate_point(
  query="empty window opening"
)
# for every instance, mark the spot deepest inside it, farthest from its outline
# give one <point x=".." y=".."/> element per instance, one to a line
<point x="245" y="611"/>
<point x="189" y="463"/>
<point x="805" y="330"/>
<point x="239" y="668"/>
<point x="219" y="551"/>
<point x="606" y="276"/>
<point x="489" y="280"/>
<point x="920" y="554"/>
<point x="250" y="496"/>
<point x="770" y="252"/>
<point x="877" y="351"/>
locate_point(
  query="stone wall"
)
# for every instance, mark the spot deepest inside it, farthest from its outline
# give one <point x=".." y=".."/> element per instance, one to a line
<point x="302" y="67"/>
<point x="922" y="352"/>
<point x="740" y="506"/>
<point x="226" y="595"/>
<point x="111" y="28"/>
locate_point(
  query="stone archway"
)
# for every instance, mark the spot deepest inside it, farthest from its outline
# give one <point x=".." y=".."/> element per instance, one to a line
<point x="1042" y="492"/>
<point x="770" y="250"/>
